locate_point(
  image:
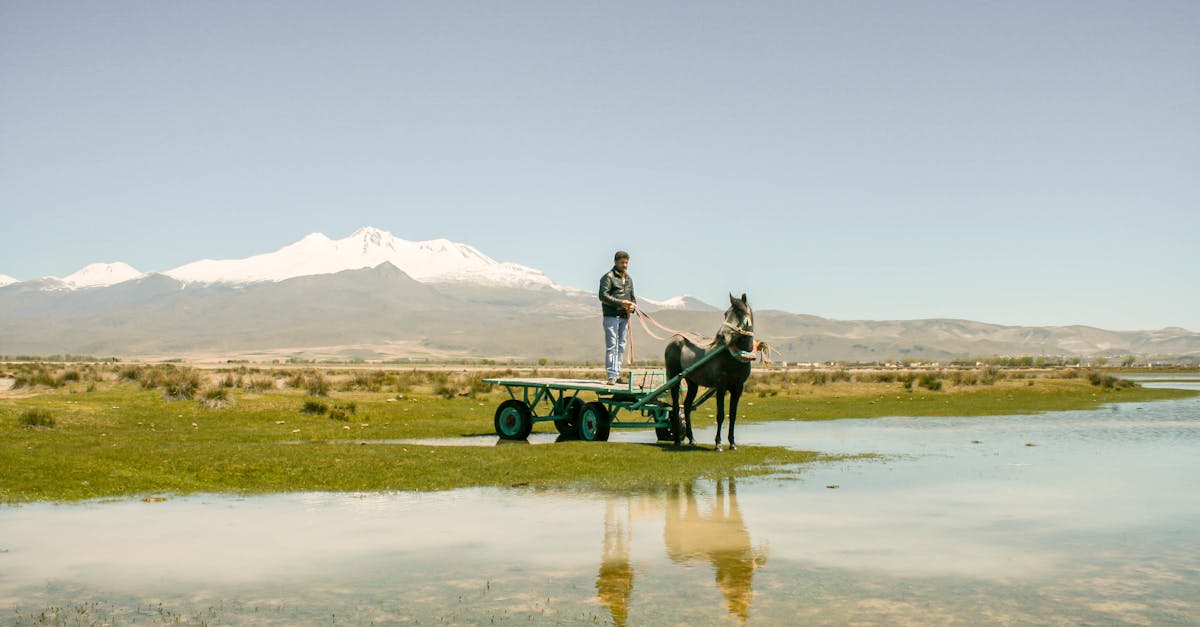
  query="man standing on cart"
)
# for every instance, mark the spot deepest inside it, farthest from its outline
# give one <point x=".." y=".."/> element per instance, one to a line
<point x="617" y="302"/>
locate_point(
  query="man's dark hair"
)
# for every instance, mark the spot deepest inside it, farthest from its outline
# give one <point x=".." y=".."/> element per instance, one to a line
<point x="620" y="255"/>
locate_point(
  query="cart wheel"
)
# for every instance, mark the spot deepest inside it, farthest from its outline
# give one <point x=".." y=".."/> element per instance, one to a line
<point x="513" y="420"/>
<point x="593" y="422"/>
<point x="568" y="426"/>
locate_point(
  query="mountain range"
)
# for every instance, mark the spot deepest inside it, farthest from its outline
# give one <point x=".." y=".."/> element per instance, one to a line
<point x="375" y="296"/>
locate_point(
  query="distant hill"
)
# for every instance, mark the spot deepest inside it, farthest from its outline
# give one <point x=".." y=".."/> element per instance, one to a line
<point x="382" y="313"/>
<point x="357" y="297"/>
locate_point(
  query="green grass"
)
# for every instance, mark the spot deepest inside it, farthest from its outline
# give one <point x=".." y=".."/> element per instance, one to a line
<point x="124" y="439"/>
<point x="127" y="441"/>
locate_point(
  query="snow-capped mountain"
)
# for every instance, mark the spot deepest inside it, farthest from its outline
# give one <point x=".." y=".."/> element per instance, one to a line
<point x="456" y="268"/>
<point x="102" y="274"/>
<point x="684" y="302"/>
<point x="432" y="261"/>
<point x="91" y="275"/>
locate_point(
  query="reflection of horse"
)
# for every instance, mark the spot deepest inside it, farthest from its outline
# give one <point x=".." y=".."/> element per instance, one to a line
<point x="726" y="372"/>
<point x="718" y="537"/>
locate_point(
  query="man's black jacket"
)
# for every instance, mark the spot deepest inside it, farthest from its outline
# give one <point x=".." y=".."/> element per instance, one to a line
<point x="613" y="289"/>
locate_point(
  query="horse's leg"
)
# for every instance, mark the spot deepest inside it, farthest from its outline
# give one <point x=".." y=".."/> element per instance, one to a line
<point x="735" y="393"/>
<point x="676" y="423"/>
<point x="687" y="405"/>
<point x="720" y="415"/>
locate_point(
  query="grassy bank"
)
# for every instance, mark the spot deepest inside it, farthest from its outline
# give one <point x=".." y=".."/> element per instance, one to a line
<point x="79" y="432"/>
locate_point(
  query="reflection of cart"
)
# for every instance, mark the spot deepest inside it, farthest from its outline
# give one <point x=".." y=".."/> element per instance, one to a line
<point x="631" y="406"/>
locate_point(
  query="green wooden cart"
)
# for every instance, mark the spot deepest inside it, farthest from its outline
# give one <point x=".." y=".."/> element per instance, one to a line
<point x="589" y="410"/>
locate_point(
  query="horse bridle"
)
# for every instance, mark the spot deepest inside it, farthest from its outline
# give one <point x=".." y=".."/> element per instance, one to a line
<point x="740" y="330"/>
<point x="737" y="329"/>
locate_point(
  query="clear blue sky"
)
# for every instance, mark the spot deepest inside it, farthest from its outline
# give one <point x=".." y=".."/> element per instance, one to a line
<point x="1009" y="162"/>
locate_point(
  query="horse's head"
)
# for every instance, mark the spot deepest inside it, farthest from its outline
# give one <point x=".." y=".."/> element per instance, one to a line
<point x="738" y="329"/>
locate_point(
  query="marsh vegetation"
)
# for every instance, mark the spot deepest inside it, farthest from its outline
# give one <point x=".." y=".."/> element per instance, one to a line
<point x="84" y="430"/>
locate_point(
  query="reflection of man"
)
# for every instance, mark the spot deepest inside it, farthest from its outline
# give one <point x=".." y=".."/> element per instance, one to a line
<point x="720" y="538"/>
<point x="615" y="583"/>
<point x="617" y="302"/>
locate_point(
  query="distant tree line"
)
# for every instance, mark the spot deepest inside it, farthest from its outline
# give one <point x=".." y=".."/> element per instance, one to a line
<point x="1020" y="362"/>
<point x="59" y="358"/>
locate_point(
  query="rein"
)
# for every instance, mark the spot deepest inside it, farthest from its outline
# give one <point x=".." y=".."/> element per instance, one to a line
<point x="698" y="339"/>
<point x="643" y="317"/>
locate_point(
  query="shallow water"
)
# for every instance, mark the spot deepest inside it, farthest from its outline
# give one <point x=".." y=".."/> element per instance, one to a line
<point x="1076" y="517"/>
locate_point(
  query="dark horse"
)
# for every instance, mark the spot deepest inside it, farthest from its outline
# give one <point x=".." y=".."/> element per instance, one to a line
<point x="724" y="373"/>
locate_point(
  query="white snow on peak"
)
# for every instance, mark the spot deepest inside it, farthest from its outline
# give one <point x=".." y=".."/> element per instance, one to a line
<point x="7" y="280"/>
<point x="431" y="261"/>
<point x="102" y="275"/>
<point x="679" y="302"/>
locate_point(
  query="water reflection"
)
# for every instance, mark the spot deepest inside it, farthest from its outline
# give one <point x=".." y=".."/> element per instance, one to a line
<point x="717" y="535"/>
<point x="614" y="584"/>
<point x="698" y="528"/>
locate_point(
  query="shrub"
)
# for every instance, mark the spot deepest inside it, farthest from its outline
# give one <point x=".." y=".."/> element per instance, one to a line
<point x="1109" y="382"/>
<point x="35" y="378"/>
<point x="446" y="390"/>
<point x="369" y="381"/>
<point x="477" y="386"/>
<point x="314" y="407"/>
<point x="339" y="414"/>
<point x="69" y="375"/>
<point x="129" y="373"/>
<point x="181" y="384"/>
<point x="260" y="384"/>
<point x="152" y="379"/>
<point x="317" y="385"/>
<point x="36" y="418"/>
<point x="931" y="382"/>
<point x="215" y="398"/>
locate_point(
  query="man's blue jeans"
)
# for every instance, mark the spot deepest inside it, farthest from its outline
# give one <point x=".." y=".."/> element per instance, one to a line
<point x="616" y="333"/>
